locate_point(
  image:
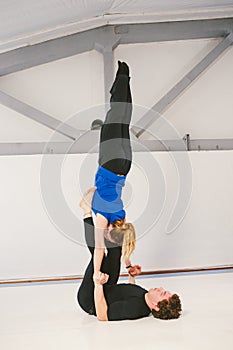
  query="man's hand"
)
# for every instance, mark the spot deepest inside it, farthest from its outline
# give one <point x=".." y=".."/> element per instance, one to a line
<point x="100" y="278"/>
<point x="101" y="306"/>
<point x="135" y="270"/>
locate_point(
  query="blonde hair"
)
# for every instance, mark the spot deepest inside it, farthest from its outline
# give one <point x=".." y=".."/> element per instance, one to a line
<point x="124" y="233"/>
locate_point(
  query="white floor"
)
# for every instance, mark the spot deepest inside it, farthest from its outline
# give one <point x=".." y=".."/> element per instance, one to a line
<point x="46" y="316"/>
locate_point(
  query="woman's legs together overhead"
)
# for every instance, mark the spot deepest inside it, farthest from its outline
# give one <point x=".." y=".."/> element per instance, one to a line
<point x="115" y="152"/>
<point x="110" y="265"/>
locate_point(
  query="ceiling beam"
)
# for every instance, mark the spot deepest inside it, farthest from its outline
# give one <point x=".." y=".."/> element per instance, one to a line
<point x="49" y="51"/>
<point x="171" y="96"/>
<point x="222" y="11"/>
<point x="39" y="116"/>
<point x="81" y="146"/>
<point x="173" y="31"/>
<point x="106" y="45"/>
<point x="41" y="53"/>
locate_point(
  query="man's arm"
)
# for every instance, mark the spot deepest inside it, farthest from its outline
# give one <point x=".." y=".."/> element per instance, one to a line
<point x="132" y="279"/>
<point x="101" y="306"/>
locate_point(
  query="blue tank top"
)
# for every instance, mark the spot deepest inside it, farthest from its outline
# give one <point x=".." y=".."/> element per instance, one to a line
<point x="107" y="198"/>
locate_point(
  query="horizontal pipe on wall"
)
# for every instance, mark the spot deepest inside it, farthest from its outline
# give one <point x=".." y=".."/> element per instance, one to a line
<point x="144" y="273"/>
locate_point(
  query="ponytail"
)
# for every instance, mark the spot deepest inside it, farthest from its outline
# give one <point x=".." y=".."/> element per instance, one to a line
<point x="129" y="242"/>
<point x="124" y="234"/>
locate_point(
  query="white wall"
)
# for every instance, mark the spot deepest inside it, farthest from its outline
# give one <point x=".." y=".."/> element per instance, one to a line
<point x="30" y="240"/>
<point x="32" y="244"/>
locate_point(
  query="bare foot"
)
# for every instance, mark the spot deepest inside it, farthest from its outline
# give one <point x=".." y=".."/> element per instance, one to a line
<point x="86" y="201"/>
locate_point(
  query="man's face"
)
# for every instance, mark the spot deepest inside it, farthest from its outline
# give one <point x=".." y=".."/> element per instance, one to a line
<point x="158" y="294"/>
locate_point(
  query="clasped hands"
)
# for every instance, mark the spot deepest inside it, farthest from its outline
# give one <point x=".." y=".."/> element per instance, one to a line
<point x="135" y="270"/>
<point x="100" y="278"/>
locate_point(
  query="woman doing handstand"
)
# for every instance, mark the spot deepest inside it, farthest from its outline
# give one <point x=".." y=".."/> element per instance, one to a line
<point x="115" y="158"/>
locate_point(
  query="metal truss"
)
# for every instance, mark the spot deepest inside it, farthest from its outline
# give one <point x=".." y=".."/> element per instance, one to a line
<point x="105" y="40"/>
<point x="89" y="144"/>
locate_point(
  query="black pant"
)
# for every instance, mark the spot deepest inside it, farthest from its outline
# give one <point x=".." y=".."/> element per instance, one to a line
<point x="110" y="265"/>
<point x="115" y="153"/>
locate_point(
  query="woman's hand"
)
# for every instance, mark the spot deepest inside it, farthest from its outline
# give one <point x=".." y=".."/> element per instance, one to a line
<point x="100" y="277"/>
<point x="135" y="270"/>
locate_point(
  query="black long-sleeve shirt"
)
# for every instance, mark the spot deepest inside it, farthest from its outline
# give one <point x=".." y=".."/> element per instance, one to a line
<point x="126" y="301"/>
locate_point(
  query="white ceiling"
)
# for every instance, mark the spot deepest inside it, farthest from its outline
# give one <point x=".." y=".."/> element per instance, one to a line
<point x="25" y="22"/>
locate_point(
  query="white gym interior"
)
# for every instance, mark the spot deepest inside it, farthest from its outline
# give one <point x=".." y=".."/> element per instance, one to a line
<point x="57" y="62"/>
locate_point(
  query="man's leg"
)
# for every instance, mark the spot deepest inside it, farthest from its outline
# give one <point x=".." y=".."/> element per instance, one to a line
<point x="115" y="152"/>
<point x="89" y="231"/>
<point x="112" y="262"/>
<point x="86" y="290"/>
<point x="110" y="265"/>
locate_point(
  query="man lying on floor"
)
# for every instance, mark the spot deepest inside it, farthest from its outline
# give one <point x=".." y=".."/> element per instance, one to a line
<point x="109" y="301"/>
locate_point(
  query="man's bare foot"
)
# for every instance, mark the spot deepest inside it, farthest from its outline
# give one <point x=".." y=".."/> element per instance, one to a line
<point x="86" y="201"/>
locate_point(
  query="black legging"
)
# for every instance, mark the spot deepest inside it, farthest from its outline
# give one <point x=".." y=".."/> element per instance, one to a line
<point x="115" y="152"/>
<point x="110" y="265"/>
